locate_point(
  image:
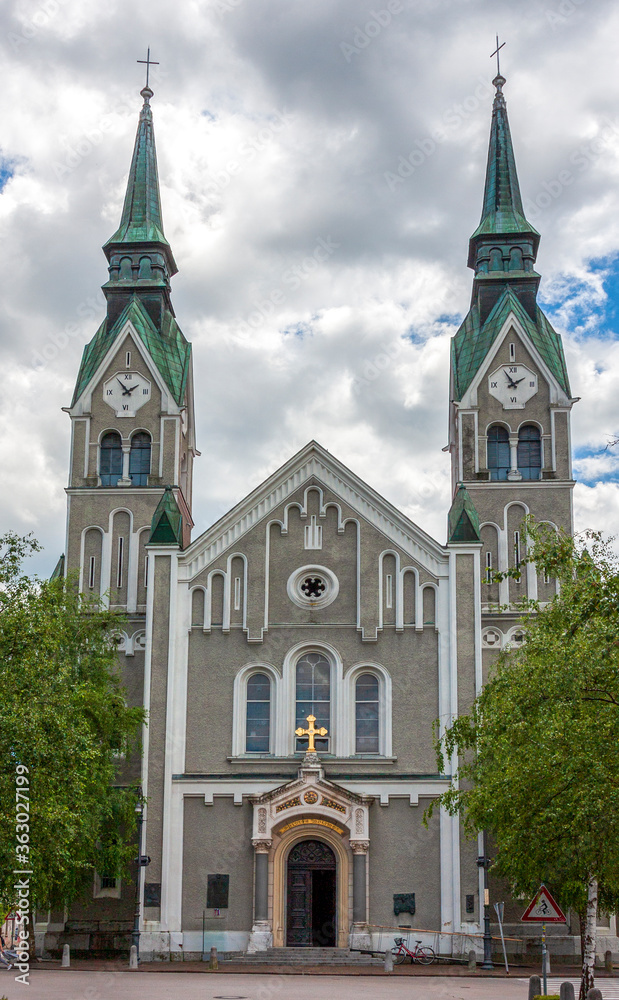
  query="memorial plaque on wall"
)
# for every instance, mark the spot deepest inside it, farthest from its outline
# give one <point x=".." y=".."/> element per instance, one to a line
<point x="152" y="894"/>
<point x="217" y="890"/>
<point x="404" y="902"/>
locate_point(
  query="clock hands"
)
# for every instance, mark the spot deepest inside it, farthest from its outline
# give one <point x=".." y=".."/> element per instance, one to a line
<point x="513" y="383"/>
<point x="127" y="390"/>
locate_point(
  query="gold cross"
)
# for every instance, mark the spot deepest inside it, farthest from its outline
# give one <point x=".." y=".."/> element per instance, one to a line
<point x="311" y="732"/>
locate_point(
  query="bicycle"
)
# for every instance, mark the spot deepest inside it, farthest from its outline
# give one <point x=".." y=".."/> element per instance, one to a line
<point x="424" y="955"/>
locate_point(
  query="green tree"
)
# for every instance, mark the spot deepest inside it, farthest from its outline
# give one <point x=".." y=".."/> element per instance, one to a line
<point x="537" y="757"/>
<point x="64" y="725"/>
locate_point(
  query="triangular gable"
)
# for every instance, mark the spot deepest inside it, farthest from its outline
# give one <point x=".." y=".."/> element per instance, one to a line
<point x="315" y="463"/>
<point x="167" y="522"/>
<point x="168" y="349"/>
<point x="472" y="344"/>
<point x="463" y="519"/>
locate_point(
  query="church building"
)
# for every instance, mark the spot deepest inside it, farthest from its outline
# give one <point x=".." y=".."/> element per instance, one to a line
<point x="293" y="656"/>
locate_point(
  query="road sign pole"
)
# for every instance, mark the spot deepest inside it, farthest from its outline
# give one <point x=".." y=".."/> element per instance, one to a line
<point x="544" y="977"/>
<point x="500" y="908"/>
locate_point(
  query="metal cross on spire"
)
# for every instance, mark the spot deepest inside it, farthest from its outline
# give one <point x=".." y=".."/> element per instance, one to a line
<point x="148" y="62"/>
<point x="496" y="53"/>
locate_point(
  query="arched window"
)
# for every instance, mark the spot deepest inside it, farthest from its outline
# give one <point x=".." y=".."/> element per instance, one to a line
<point x="529" y="452"/>
<point x="110" y="459"/>
<point x="496" y="260"/>
<point x="258" y="719"/>
<point x="367" y="714"/>
<point x="498" y="452"/>
<point x="139" y="459"/>
<point x="313" y="697"/>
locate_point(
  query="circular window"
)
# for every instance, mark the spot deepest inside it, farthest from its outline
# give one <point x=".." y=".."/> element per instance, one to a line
<point x="313" y="587"/>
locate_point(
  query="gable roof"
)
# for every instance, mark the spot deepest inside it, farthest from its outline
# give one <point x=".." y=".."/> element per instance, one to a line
<point x="167" y="523"/>
<point x="170" y="351"/>
<point x="472" y="343"/>
<point x="463" y="518"/>
<point x="314" y="464"/>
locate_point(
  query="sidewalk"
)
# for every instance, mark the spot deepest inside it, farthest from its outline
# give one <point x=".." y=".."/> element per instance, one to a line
<point x="76" y="984"/>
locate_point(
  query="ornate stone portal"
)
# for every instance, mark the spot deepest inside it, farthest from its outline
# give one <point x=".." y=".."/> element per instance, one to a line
<point x="310" y="808"/>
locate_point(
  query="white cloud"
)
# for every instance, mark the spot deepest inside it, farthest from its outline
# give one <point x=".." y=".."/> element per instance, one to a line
<point x="269" y="140"/>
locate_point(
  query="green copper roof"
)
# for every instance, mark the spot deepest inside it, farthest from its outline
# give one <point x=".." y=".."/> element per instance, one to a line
<point x="463" y="524"/>
<point x="58" y="573"/>
<point x="167" y="347"/>
<point x="471" y="343"/>
<point x="502" y="211"/>
<point x="141" y="220"/>
<point x="167" y="523"/>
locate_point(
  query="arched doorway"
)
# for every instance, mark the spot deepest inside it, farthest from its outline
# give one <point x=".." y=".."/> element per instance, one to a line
<point x="311" y="895"/>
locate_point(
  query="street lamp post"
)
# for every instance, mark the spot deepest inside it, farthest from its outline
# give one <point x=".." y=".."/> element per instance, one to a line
<point x="139" y="809"/>
<point x="484" y="862"/>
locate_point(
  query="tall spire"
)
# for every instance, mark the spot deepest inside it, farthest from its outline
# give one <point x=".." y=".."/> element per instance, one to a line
<point x="140" y="259"/>
<point x="502" y="209"/>
<point x="141" y="220"/>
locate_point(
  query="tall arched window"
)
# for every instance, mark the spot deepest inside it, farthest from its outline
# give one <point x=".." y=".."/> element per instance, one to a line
<point x="313" y="697"/>
<point x="498" y="452"/>
<point x="529" y="452"/>
<point x="139" y="459"/>
<point x="367" y="714"/>
<point x="110" y="459"/>
<point x="258" y="718"/>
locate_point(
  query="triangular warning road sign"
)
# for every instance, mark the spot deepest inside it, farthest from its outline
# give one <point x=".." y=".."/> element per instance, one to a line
<point x="543" y="909"/>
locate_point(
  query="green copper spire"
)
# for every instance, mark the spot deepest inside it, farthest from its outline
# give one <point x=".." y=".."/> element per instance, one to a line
<point x="140" y="259"/>
<point x="502" y="211"/>
<point x="167" y="524"/>
<point x="502" y="252"/>
<point x="141" y="220"/>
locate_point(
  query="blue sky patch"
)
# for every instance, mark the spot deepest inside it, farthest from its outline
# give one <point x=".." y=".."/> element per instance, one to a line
<point x="588" y="314"/>
<point x="6" y="172"/>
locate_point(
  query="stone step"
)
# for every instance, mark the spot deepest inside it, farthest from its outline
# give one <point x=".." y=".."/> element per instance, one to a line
<point x="303" y="956"/>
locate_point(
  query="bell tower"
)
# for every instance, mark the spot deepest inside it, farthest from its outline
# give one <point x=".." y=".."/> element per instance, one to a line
<point x="132" y="442"/>
<point x="510" y="400"/>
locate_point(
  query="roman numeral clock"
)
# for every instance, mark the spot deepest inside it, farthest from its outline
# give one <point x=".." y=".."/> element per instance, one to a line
<point x="512" y="385"/>
<point x="126" y="392"/>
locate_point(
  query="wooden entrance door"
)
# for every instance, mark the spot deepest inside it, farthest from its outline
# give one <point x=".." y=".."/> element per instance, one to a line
<point x="311" y="895"/>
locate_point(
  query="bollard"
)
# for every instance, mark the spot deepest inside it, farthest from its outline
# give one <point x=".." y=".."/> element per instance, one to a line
<point x="472" y="960"/>
<point x="133" y="957"/>
<point x="535" y="987"/>
<point x="608" y="961"/>
<point x="388" y="962"/>
<point x="66" y="957"/>
<point x="212" y="962"/>
<point x="566" y="991"/>
<point x="594" y="994"/>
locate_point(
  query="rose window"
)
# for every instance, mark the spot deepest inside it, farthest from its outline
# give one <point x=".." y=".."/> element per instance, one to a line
<point x="313" y="587"/>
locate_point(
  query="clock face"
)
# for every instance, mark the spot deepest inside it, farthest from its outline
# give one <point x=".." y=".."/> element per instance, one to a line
<point x="126" y="392"/>
<point x="512" y="385"/>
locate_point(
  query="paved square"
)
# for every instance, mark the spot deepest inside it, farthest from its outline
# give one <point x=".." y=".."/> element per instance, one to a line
<point x="78" y="985"/>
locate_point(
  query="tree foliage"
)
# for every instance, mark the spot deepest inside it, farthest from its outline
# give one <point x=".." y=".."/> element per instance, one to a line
<point x="537" y="757"/>
<point x="63" y="716"/>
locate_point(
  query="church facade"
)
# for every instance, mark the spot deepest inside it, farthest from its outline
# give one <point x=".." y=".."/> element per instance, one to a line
<point x="313" y="611"/>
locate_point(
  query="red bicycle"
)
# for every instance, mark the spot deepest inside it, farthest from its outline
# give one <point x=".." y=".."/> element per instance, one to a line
<point x="422" y="954"/>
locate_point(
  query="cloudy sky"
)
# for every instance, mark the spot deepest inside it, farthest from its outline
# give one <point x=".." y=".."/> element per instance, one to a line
<point x="318" y="285"/>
